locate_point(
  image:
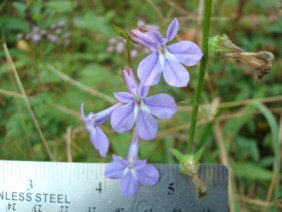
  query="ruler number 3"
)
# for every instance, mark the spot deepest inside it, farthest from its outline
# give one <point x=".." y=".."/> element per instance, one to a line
<point x="30" y="185"/>
<point x="171" y="188"/>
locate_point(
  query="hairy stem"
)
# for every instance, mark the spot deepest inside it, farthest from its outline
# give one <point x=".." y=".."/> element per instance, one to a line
<point x="202" y="70"/>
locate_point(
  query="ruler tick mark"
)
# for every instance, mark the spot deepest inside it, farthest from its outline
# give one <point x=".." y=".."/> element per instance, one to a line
<point x="3" y="175"/>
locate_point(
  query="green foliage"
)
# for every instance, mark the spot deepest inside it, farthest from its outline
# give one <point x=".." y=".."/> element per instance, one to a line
<point x="248" y="148"/>
<point x="250" y="131"/>
<point x="275" y="141"/>
<point x="95" y="23"/>
<point x="10" y="25"/>
<point x="251" y="171"/>
<point x="60" y="6"/>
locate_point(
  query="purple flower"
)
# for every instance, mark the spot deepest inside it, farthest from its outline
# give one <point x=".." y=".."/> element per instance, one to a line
<point x="36" y="37"/>
<point x="52" y="38"/>
<point x="132" y="171"/>
<point x="165" y="59"/>
<point x="120" y="47"/>
<point x="134" y="53"/>
<point x="138" y="108"/>
<point x="93" y="122"/>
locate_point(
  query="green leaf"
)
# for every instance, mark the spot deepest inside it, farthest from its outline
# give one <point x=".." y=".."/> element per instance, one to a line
<point x="251" y="171"/>
<point x="247" y="148"/>
<point x="276" y="146"/>
<point x="60" y="6"/>
<point x="14" y="125"/>
<point x="267" y="161"/>
<point x="20" y="7"/>
<point x="233" y="126"/>
<point x="198" y="154"/>
<point x="178" y="155"/>
<point x="5" y="67"/>
<point x="46" y="76"/>
<point x="100" y="77"/>
<point x="10" y="23"/>
<point x="94" y="23"/>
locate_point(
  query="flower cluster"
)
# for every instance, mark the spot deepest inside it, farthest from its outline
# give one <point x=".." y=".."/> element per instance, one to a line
<point x="136" y="110"/>
<point x="56" y="33"/>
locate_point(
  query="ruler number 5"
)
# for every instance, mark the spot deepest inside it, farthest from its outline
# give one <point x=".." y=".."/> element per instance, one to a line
<point x="91" y="209"/>
<point x="171" y="188"/>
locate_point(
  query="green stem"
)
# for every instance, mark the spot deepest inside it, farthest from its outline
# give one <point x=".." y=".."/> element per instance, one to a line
<point x="202" y="70"/>
<point x="3" y="5"/>
<point x="128" y="41"/>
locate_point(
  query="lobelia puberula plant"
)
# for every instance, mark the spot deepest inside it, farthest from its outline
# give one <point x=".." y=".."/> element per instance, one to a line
<point x="135" y="110"/>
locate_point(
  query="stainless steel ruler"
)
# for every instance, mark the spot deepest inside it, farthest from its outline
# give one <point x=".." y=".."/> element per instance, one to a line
<point x="82" y="187"/>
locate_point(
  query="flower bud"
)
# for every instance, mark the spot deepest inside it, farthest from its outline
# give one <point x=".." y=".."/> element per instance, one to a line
<point x="129" y="79"/>
<point x="218" y="45"/>
<point x="143" y="37"/>
<point x="134" y="147"/>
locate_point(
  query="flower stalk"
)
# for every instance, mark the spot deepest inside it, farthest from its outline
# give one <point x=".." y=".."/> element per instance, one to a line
<point x="202" y="70"/>
<point x="128" y="44"/>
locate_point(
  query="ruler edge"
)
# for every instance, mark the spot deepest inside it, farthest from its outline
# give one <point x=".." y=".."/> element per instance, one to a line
<point x="225" y="168"/>
<point x="162" y="166"/>
<point x="103" y="163"/>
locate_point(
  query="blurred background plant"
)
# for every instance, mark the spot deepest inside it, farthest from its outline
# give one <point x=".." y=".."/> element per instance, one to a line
<point x="66" y="53"/>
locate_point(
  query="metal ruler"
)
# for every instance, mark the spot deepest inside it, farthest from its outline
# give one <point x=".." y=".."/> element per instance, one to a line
<point x="82" y="187"/>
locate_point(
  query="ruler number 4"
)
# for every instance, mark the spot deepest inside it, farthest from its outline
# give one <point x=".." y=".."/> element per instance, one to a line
<point x="99" y="187"/>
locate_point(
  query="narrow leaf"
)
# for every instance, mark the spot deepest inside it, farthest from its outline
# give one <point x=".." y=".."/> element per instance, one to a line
<point x="119" y="31"/>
